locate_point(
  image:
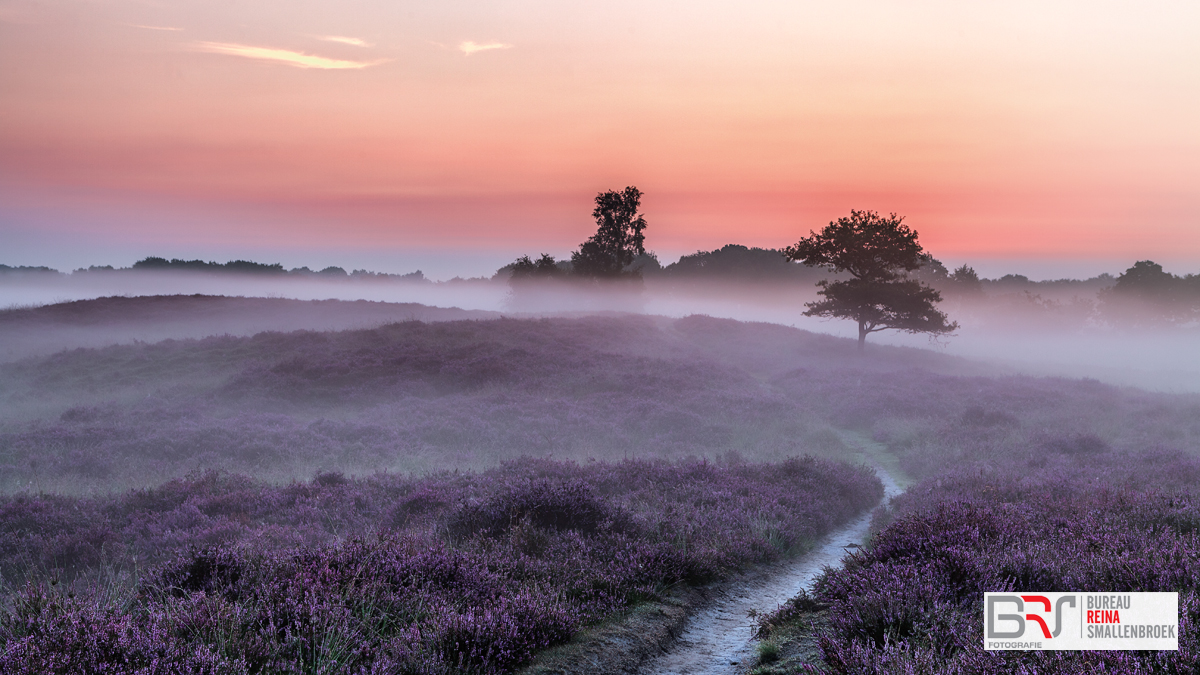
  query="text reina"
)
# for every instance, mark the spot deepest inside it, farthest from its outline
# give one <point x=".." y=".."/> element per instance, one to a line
<point x="1106" y="608"/>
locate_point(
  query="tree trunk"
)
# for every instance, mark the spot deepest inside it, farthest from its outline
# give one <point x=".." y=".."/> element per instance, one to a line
<point x="862" y="335"/>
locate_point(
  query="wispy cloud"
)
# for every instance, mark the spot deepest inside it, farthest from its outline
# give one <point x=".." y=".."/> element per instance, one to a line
<point x="344" y="40"/>
<point x="138" y="25"/>
<point x="297" y="59"/>
<point x="468" y="48"/>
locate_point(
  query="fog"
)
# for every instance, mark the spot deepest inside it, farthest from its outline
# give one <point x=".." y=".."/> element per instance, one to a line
<point x="362" y="375"/>
<point x="34" y="289"/>
<point x="1039" y="335"/>
<point x="1055" y="330"/>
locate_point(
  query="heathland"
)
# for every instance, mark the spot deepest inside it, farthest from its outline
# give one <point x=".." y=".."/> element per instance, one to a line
<point x="460" y="492"/>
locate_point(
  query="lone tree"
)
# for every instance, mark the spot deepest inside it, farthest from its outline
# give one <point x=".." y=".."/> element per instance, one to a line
<point x="879" y="253"/>
<point x="619" y="236"/>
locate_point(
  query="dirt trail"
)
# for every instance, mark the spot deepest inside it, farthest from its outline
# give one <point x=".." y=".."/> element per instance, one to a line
<point x="717" y="640"/>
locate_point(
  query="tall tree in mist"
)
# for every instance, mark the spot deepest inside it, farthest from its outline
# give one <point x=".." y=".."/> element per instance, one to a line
<point x="879" y="253"/>
<point x="619" y="236"/>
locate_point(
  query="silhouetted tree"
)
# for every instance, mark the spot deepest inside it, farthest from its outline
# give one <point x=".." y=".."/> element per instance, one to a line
<point x="1147" y="278"/>
<point x="1147" y="295"/>
<point x="734" y="262"/>
<point x="619" y="236"/>
<point x="524" y="269"/>
<point x="964" y="280"/>
<point x="880" y="254"/>
<point x="646" y="263"/>
<point x="931" y="271"/>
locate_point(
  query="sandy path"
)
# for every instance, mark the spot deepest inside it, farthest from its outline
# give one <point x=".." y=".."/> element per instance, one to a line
<point x="718" y="639"/>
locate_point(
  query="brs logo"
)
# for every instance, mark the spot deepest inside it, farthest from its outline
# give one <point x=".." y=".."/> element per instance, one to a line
<point x="1019" y="601"/>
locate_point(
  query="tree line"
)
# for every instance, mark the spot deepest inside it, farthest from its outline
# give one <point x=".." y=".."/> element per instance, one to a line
<point x="868" y="268"/>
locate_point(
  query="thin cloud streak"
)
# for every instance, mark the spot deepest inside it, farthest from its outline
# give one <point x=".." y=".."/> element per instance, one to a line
<point x="344" y="40"/>
<point x="170" y="28"/>
<point x="285" y="56"/>
<point x="468" y="47"/>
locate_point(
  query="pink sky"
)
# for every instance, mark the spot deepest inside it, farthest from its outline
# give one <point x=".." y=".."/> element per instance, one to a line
<point x="1056" y="130"/>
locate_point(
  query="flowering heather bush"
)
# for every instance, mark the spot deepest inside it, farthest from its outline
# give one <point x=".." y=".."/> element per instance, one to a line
<point x="453" y="572"/>
<point x="1083" y="520"/>
<point x="565" y="506"/>
<point x="1029" y="484"/>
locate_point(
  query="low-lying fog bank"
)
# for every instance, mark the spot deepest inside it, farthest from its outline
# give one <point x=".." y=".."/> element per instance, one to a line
<point x="420" y="397"/>
<point x="1058" y="330"/>
<point x="32" y="289"/>
<point x="39" y="331"/>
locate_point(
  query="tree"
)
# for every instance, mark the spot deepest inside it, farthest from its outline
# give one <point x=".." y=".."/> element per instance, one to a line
<point x="966" y="281"/>
<point x="880" y="254"/>
<point x="1147" y="295"/>
<point x="523" y="269"/>
<point x="734" y="262"/>
<point x="619" y="236"/>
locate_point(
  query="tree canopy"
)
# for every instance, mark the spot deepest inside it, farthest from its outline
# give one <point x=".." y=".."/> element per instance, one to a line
<point x="966" y="281"/>
<point x="867" y="246"/>
<point x="156" y="263"/>
<point x="1146" y="295"/>
<point x="879" y="254"/>
<point x="525" y="269"/>
<point x="620" y="236"/>
<point x="734" y="262"/>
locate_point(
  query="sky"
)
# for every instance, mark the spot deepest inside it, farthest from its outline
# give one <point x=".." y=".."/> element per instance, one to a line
<point x="1051" y="138"/>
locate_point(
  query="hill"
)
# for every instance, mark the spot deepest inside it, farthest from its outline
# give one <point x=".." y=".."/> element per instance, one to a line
<point x="94" y="323"/>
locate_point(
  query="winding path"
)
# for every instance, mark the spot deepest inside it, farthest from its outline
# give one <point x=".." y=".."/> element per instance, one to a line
<point x="718" y="639"/>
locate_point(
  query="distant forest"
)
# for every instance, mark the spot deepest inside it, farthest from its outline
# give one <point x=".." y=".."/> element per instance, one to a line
<point x="155" y="264"/>
<point x="732" y="262"/>
<point x="1143" y="293"/>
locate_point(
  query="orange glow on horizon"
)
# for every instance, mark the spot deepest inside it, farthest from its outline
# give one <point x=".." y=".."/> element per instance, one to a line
<point x="1061" y="128"/>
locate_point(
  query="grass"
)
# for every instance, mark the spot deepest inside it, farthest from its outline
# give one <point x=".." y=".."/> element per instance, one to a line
<point x="789" y="645"/>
